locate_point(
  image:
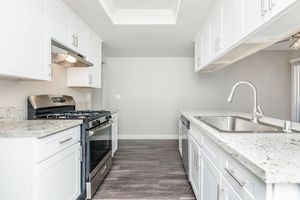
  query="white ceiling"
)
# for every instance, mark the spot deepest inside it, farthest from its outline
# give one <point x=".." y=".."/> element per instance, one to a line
<point x="145" y="4"/>
<point x="141" y="12"/>
<point x="145" y="40"/>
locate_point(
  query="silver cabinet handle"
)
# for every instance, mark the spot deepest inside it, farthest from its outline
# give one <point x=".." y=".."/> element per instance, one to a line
<point x="66" y="140"/>
<point x="73" y="41"/>
<point x="263" y="9"/>
<point x="241" y="183"/>
<point x="90" y="79"/>
<point x="218" y="192"/>
<point x="76" y="41"/>
<point x="271" y="4"/>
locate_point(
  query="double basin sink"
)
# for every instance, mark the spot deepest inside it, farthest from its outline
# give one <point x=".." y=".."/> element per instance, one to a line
<point x="235" y="124"/>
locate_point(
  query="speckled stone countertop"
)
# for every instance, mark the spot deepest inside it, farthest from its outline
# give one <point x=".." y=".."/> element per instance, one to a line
<point x="273" y="157"/>
<point x="34" y="128"/>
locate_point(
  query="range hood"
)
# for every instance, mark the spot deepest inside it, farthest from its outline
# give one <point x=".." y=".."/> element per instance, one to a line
<point x="66" y="57"/>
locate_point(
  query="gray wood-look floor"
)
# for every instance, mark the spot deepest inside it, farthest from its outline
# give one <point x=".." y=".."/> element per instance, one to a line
<point x="146" y="170"/>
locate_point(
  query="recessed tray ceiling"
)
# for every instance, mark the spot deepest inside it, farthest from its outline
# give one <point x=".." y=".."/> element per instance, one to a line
<point x="141" y="12"/>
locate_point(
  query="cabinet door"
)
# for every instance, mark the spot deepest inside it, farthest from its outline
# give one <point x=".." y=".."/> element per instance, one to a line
<point x="217" y="30"/>
<point x="255" y="13"/>
<point x="94" y="47"/>
<point x="58" y="22"/>
<point x="228" y="193"/>
<point x="232" y="22"/>
<point x="114" y="133"/>
<point x="78" y="36"/>
<point x="206" y="43"/>
<point x="88" y="76"/>
<point x="180" y="136"/>
<point x="23" y="39"/>
<point x="276" y="6"/>
<point x="195" y="167"/>
<point x="59" y="176"/>
<point x="211" y="180"/>
<point x="198" y="52"/>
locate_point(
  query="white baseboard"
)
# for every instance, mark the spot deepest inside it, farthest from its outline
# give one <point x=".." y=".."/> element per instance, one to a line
<point x="147" y="137"/>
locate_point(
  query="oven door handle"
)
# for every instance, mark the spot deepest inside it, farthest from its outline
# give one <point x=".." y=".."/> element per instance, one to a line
<point x="92" y="132"/>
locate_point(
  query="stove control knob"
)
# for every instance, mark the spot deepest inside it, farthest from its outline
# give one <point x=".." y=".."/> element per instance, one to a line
<point x="95" y="123"/>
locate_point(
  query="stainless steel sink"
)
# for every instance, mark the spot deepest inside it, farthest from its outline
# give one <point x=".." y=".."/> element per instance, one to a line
<point x="234" y="124"/>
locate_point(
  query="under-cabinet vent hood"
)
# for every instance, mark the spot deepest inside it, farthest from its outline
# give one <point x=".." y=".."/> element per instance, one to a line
<point x="66" y="57"/>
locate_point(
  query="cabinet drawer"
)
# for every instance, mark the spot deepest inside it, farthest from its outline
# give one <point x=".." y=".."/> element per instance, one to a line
<point x="196" y="133"/>
<point x="207" y="145"/>
<point x="51" y="145"/>
<point x="212" y="150"/>
<point x="246" y="184"/>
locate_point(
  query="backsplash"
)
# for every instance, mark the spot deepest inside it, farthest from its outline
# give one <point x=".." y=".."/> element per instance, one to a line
<point x="13" y="104"/>
<point x="11" y="113"/>
<point x="84" y="105"/>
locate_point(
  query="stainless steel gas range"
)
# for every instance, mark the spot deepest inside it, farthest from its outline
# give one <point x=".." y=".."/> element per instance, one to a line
<point x="95" y="135"/>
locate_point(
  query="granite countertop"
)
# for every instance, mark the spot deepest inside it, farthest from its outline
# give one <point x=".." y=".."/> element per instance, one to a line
<point x="34" y="128"/>
<point x="273" y="157"/>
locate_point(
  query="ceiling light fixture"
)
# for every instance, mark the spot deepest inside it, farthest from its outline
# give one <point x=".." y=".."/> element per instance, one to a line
<point x="71" y="59"/>
<point x="296" y="44"/>
<point x="295" y="39"/>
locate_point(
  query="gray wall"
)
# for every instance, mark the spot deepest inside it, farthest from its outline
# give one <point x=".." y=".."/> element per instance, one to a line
<point x="153" y="89"/>
<point x="14" y="93"/>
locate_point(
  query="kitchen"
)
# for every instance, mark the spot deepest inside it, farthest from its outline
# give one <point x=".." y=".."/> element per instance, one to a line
<point x="127" y="99"/>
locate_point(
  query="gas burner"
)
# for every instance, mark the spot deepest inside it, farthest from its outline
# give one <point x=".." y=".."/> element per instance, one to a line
<point x="79" y="114"/>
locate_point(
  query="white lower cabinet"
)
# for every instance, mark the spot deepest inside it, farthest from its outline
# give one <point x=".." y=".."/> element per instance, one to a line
<point x="216" y="175"/>
<point x="211" y="176"/>
<point x="47" y="168"/>
<point x="227" y="192"/>
<point x="180" y="137"/>
<point x="195" y="167"/>
<point x="114" y="120"/>
<point x="59" y="176"/>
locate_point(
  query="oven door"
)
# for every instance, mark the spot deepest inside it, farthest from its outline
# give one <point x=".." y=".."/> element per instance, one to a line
<point x="99" y="147"/>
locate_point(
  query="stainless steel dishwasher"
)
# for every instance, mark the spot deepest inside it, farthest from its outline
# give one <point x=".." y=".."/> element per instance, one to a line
<point x="185" y="143"/>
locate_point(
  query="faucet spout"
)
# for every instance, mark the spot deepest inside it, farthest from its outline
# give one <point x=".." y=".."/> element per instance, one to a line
<point x="257" y="111"/>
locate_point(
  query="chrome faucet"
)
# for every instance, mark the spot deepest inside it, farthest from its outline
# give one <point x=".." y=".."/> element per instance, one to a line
<point x="257" y="111"/>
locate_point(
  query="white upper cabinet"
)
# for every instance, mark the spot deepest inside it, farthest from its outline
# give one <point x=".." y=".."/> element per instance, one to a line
<point x="95" y="57"/>
<point x="66" y="28"/>
<point x="88" y="76"/>
<point x="232" y="22"/>
<point x="78" y="36"/>
<point x="216" y="23"/>
<point x="277" y="6"/>
<point x="198" y="52"/>
<point x="23" y="40"/>
<point x="238" y="28"/>
<point x="255" y="13"/>
<point x="59" y="22"/>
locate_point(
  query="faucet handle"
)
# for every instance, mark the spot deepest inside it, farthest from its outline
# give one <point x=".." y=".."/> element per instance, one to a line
<point x="287" y="126"/>
<point x="259" y="113"/>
